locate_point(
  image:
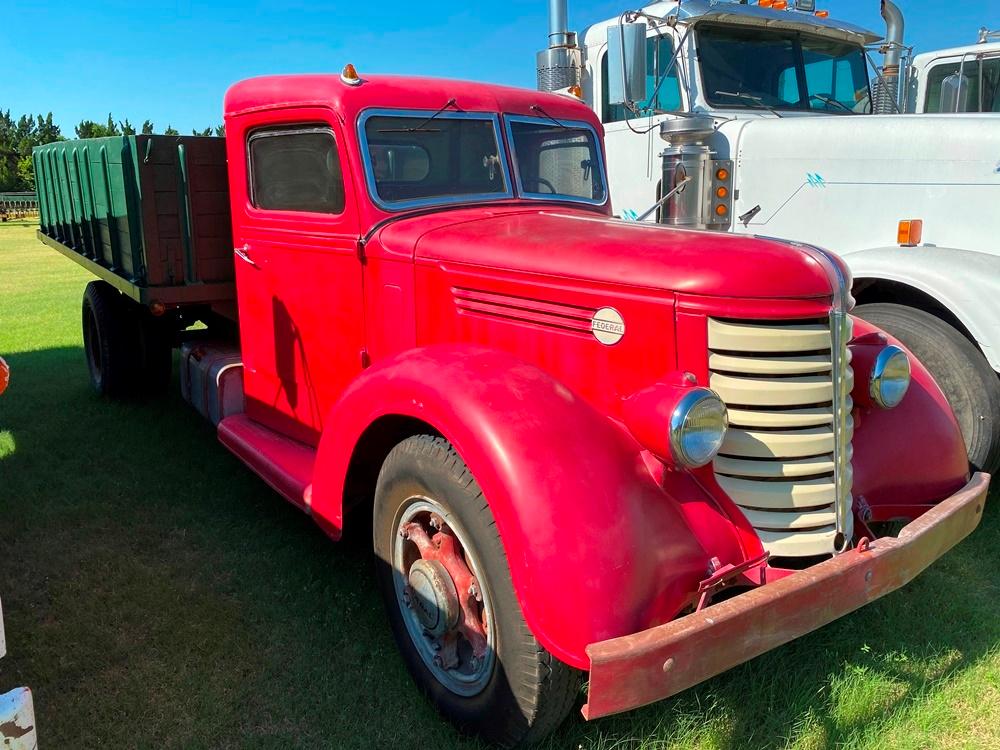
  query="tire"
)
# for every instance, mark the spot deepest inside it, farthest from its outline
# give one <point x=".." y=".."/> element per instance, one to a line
<point x="155" y="365"/>
<point x="110" y="357"/>
<point x="966" y="378"/>
<point x="129" y="352"/>
<point x="518" y="692"/>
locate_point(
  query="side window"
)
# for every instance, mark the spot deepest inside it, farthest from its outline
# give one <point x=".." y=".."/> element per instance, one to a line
<point x="295" y="169"/>
<point x="948" y="92"/>
<point x="659" y="50"/>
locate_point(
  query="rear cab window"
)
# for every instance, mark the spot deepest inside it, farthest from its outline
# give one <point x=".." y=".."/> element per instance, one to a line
<point x="295" y="168"/>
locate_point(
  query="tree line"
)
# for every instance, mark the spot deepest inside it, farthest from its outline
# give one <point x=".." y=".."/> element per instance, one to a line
<point x="19" y="135"/>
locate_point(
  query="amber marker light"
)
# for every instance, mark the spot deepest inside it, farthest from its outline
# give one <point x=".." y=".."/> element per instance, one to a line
<point x="779" y="4"/>
<point x="765" y="3"/>
<point x="576" y="91"/>
<point x="910" y="232"/>
<point x="822" y="14"/>
<point x="722" y="191"/>
<point x="721" y="173"/>
<point x="350" y="75"/>
<point x="721" y="210"/>
<point x="157" y="308"/>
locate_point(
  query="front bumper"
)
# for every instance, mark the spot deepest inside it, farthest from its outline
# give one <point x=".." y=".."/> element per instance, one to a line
<point x="634" y="670"/>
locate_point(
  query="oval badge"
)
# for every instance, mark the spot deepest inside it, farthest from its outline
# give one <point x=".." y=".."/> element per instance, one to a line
<point x="608" y="326"/>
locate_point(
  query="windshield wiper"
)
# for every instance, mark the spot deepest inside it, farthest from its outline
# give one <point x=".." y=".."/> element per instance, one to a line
<point x="749" y="98"/>
<point x="420" y="128"/>
<point x="829" y="100"/>
<point x="542" y="112"/>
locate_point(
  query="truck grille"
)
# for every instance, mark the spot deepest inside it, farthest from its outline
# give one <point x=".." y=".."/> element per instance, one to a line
<point x="788" y="447"/>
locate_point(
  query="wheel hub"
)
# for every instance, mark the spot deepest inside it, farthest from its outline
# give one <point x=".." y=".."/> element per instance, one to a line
<point x="433" y="597"/>
<point x="446" y="611"/>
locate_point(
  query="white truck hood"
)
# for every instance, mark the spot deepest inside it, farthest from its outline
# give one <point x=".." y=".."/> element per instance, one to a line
<point x="844" y="182"/>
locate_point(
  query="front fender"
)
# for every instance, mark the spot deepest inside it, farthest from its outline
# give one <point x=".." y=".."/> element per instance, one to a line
<point x="596" y="548"/>
<point x="960" y="280"/>
<point x="913" y="454"/>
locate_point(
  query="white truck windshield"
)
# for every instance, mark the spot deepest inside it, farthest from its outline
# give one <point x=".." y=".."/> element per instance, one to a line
<point x="744" y="67"/>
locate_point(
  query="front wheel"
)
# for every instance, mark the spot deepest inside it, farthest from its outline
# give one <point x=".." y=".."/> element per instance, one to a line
<point x="960" y="369"/>
<point x="444" y="578"/>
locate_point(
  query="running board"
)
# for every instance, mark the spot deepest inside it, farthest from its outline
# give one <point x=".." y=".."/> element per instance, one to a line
<point x="285" y="464"/>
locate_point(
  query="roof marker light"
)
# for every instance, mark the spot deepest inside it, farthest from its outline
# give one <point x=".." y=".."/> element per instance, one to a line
<point x="765" y="3"/>
<point x="779" y="4"/>
<point x="350" y="75"/>
<point x="822" y="14"/>
<point x="910" y="232"/>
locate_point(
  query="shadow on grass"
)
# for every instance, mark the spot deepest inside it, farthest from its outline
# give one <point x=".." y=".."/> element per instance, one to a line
<point x="159" y="594"/>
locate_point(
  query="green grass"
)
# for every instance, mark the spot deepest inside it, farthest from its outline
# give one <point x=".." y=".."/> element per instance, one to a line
<point x="158" y="595"/>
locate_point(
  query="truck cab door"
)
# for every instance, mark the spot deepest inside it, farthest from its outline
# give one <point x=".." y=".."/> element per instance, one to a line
<point x="298" y="273"/>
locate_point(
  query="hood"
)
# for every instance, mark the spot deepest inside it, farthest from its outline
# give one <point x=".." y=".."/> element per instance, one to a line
<point x="931" y="147"/>
<point x="844" y="182"/>
<point x="583" y="245"/>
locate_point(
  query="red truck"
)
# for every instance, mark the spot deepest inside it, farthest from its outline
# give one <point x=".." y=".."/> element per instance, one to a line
<point x="591" y="450"/>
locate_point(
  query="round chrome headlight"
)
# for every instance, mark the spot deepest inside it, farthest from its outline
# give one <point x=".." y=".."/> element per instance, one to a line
<point x="890" y="377"/>
<point x="698" y="426"/>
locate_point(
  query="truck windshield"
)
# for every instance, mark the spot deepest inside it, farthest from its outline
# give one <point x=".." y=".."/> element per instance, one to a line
<point x="556" y="159"/>
<point x="755" y="68"/>
<point x="421" y="158"/>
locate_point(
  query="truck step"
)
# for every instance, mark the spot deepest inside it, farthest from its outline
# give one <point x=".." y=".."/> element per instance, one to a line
<point x="285" y="464"/>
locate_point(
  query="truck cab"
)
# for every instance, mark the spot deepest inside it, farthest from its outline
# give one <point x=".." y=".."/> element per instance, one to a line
<point x="585" y="449"/>
<point x="956" y="80"/>
<point x="762" y="119"/>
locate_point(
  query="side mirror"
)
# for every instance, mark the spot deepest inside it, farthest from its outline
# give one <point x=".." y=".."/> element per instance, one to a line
<point x="626" y="63"/>
<point x="954" y="94"/>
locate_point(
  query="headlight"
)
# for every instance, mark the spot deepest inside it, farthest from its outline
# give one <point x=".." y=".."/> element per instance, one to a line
<point x="680" y="424"/>
<point x="890" y="377"/>
<point x="698" y="426"/>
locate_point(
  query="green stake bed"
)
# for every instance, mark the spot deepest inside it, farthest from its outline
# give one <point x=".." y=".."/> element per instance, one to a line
<point x="147" y="213"/>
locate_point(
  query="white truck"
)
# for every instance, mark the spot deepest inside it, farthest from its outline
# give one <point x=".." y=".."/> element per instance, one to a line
<point x="959" y="79"/>
<point x="757" y="119"/>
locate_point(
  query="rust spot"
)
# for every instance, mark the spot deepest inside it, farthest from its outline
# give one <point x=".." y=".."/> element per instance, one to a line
<point x="12" y="730"/>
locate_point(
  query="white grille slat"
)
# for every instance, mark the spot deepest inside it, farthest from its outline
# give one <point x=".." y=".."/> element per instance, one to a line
<point x="809" y="493"/>
<point x="754" y="337"/>
<point x="777" y="460"/>
<point x="789" y="418"/>
<point x="803" y="467"/>
<point x="793" y="391"/>
<point x="798" y="543"/>
<point x="773" y="444"/>
<point x="786" y="365"/>
<point x="774" y="521"/>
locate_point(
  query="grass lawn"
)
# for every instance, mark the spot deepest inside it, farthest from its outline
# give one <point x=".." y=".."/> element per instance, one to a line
<point x="158" y="595"/>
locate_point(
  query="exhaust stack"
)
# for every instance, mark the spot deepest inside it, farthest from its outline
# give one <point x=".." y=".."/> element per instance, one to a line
<point x="560" y="65"/>
<point x="887" y="93"/>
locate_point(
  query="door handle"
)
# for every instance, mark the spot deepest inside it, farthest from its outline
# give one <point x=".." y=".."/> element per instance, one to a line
<point x="244" y="253"/>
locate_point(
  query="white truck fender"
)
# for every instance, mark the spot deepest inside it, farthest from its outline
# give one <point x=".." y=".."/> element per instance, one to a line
<point x="965" y="282"/>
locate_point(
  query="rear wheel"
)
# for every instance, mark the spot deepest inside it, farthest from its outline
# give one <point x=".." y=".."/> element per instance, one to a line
<point x="966" y="378"/>
<point x="444" y="578"/>
<point x="129" y="352"/>
<point x="106" y="340"/>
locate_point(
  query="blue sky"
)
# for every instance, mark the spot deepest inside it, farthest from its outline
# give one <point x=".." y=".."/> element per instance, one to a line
<point x="172" y="61"/>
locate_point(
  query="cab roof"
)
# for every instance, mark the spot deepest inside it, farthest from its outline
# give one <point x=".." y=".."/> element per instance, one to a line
<point x="397" y="92"/>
